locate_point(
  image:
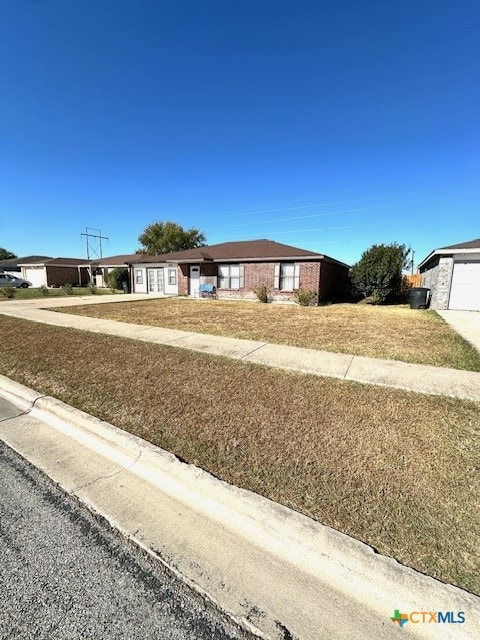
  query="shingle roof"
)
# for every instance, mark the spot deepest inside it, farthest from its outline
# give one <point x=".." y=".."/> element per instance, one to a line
<point x="14" y="262"/>
<point x="66" y="262"/>
<point x="471" y="244"/>
<point x="115" y="261"/>
<point x="243" y="250"/>
<point x="56" y="262"/>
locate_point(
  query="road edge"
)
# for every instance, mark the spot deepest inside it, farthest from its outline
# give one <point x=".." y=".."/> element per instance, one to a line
<point x="374" y="583"/>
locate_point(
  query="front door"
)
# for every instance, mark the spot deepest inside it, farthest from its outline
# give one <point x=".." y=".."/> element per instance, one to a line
<point x="194" y="281"/>
<point x="155" y="280"/>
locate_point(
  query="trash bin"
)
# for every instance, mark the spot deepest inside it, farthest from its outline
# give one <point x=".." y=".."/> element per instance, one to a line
<point x="125" y="286"/>
<point x="419" y="297"/>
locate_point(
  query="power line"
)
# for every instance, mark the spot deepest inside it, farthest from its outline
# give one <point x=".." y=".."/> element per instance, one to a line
<point x="325" y="204"/>
<point x="358" y="226"/>
<point x="331" y="213"/>
<point x="369" y="186"/>
<point x="94" y="242"/>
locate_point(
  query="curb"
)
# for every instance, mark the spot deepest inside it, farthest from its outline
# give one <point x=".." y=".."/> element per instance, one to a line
<point x="356" y="589"/>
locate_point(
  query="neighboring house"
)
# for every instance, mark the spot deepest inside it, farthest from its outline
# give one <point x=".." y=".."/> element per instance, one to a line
<point x="12" y="265"/>
<point x="99" y="269"/>
<point x="236" y="268"/>
<point x="453" y="276"/>
<point x="55" y="272"/>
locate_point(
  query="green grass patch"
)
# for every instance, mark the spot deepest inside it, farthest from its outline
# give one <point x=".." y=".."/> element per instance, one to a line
<point x="38" y="292"/>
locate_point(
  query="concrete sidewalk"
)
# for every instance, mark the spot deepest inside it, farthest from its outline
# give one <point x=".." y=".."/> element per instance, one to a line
<point x="454" y="383"/>
<point x="278" y="573"/>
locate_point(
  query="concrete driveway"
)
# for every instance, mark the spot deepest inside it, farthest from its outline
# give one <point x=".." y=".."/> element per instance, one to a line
<point x="466" y="323"/>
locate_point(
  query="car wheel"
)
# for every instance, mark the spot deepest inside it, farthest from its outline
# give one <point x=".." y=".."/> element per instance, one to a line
<point x="24" y="285"/>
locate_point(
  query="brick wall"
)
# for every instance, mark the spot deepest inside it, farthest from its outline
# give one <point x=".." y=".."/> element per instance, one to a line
<point x="183" y="275"/>
<point x="258" y="274"/>
<point x="58" y="276"/>
<point x="208" y="273"/>
<point x="333" y="281"/>
<point x="325" y="277"/>
<point x="263" y="273"/>
<point x="310" y="276"/>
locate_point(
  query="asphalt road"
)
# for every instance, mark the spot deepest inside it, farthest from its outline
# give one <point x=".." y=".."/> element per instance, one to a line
<point x="65" y="575"/>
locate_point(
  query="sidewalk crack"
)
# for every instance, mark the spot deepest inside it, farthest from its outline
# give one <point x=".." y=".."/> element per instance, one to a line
<point x="187" y="335"/>
<point x="253" y="351"/>
<point x="25" y="412"/>
<point x="348" y="368"/>
<point x="110" y="475"/>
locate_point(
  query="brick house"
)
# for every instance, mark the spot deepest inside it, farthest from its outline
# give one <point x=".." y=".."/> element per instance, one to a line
<point x="55" y="272"/>
<point x="236" y="268"/>
<point x="453" y="275"/>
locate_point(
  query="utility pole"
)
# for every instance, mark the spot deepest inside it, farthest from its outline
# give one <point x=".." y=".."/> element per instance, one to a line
<point x="94" y="239"/>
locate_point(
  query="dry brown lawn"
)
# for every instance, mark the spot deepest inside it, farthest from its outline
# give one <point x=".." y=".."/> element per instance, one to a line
<point x="395" y="469"/>
<point x="393" y="332"/>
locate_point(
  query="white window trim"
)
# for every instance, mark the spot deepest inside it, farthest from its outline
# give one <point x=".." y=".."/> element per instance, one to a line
<point x="229" y="277"/>
<point x="279" y="278"/>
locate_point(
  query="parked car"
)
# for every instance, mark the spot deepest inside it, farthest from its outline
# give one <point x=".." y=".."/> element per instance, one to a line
<point x="6" y="280"/>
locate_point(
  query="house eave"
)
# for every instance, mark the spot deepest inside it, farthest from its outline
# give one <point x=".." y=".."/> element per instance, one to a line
<point x="32" y="264"/>
<point x="446" y="253"/>
<point x="314" y="258"/>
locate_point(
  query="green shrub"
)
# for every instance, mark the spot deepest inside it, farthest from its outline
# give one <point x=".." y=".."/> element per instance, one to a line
<point x="92" y="288"/>
<point x="68" y="289"/>
<point x="378" y="273"/>
<point x="45" y="291"/>
<point x="305" y="297"/>
<point x="263" y="293"/>
<point x="117" y="277"/>
<point x="8" y="291"/>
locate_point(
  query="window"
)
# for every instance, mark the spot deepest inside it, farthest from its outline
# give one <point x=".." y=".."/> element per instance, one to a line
<point x="138" y="276"/>
<point x="230" y="276"/>
<point x="172" y="277"/>
<point x="287" y="276"/>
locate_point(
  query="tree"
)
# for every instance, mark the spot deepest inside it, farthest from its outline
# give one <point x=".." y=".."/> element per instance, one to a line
<point x="117" y="277"/>
<point x="378" y="273"/>
<point x="166" y="237"/>
<point x="6" y="255"/>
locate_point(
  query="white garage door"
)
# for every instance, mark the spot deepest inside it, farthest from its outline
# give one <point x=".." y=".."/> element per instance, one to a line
<point x="465" y="289"/>
<point x="36" y="275"/>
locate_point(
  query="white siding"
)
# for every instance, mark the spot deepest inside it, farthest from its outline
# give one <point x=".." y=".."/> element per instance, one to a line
<point x="139" y="280"/>
<point x="170" y="279"/>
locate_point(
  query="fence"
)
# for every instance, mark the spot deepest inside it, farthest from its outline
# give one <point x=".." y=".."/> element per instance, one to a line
<point x="415" y="279"/>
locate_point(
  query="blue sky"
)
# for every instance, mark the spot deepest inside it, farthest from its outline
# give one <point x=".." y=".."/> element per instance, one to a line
<point x="326" y="125"/>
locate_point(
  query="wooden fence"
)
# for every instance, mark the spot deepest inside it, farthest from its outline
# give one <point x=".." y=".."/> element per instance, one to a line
<point x="415" y="280"/>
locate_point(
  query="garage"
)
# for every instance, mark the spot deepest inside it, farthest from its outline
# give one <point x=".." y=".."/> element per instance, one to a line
<point x="36" y="275"/>
<point x="465" y="287"/>
<point x="453" y="276"/>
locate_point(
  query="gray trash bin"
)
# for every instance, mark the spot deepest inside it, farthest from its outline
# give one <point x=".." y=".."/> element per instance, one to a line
<point x="419" y="297"/>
